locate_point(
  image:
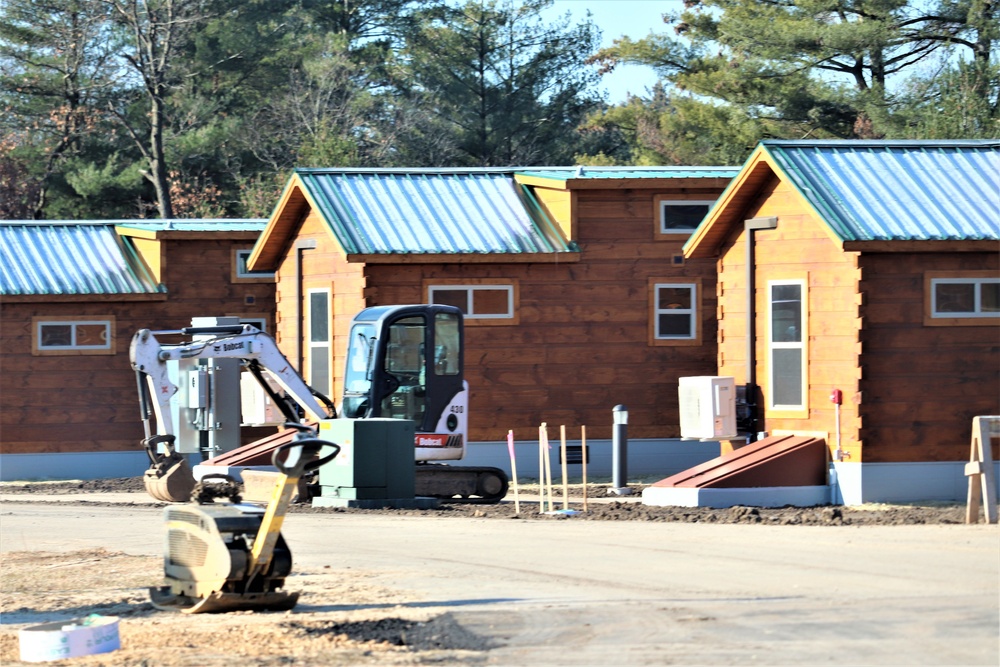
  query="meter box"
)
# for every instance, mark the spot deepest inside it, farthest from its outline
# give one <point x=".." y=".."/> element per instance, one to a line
<point x="376" y="461"/>
<point x="707" y="407"/>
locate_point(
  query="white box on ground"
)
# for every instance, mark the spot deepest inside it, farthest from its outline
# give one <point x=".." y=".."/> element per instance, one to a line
<point x="707" y="407"/>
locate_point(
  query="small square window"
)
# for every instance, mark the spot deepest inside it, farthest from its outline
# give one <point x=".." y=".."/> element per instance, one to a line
<point x="682" y="217"/>
<point x="241" y="260"/>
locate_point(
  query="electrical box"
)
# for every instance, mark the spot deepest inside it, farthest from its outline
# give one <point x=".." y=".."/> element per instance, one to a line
<point x="376" y="461"/>
<point x="255" y="403"/>
<point x="707" y="407"/>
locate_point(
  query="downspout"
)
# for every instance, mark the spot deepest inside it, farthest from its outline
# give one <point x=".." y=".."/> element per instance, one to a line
<point x="753" y="415"/>
<point x="300" y="247"/>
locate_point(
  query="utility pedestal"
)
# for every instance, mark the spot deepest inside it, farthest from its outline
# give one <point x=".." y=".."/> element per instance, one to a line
<point x="375" y="467"/>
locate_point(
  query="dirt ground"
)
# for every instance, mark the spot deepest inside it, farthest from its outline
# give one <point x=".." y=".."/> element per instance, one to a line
<point x="367" y="625"/>
<point x="926" y="513"/>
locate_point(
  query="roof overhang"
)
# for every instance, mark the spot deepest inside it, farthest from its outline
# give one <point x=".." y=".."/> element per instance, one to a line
<point x="468" y="258"/>
<point x="557" y="183"/>
<point x="909" y="246"/>
<point x="731" y="209"/>
<point x="184" y="235"/>
<point x="273" y="242"/>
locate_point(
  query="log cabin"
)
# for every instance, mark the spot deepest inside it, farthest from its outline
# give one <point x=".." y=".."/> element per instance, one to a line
<point x="72" y="294"/>
<point x="575" y="290"/>
<point x="866" y="272"/>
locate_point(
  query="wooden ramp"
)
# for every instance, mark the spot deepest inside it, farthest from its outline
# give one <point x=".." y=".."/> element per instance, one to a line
<point x="256" y="453"/>
<point x="779" y="460"/>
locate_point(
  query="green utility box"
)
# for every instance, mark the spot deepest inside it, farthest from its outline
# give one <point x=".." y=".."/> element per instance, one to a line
<point x="375" y="466"/>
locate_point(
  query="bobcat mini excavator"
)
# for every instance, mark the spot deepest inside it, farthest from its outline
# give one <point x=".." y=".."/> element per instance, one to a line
<point x="403" y="362"/>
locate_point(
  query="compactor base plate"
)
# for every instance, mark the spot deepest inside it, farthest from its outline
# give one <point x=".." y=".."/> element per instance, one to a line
<point x="165" y="599"/>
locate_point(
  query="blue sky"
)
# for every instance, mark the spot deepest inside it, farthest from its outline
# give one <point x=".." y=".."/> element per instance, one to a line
<point x="635" y="18"/>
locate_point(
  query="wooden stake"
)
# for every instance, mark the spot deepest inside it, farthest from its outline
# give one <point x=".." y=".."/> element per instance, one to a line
<point x="562" y="451"/>
<point x="548" y="472"/>
<point x="583" y="448"/>
<point x="513" y="470"/>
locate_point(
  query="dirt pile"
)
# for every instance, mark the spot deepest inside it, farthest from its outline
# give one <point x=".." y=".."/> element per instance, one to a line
<point x="626" y="510"/>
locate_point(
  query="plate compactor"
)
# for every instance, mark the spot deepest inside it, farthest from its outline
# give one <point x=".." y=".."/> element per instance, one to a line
<point x="231" y="556"/>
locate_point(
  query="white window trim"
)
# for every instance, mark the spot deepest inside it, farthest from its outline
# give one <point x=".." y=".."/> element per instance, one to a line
<point x="665" y="203"/>
<point x="468" y="312"/>
<point x="800" y="345"/>
<point x="259" y="322"/>
<point x="108" y="335"/>
<point x="692" y="311"/>
<point x="977" y="298"/>
<point x="247" y="275"/>
<point x="327" y="345"/>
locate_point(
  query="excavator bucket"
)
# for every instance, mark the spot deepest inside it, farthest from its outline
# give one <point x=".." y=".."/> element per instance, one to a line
<point x="216" y="603"/>
<point x="170" y="479"/>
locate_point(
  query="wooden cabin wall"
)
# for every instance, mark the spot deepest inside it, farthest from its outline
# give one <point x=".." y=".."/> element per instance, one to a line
<point x="922" y="385"/>
<point x="88" y="402"/>
<point x="799" y="248"/>
<point x="581" y="344"/>
<point x="322" y="267"/>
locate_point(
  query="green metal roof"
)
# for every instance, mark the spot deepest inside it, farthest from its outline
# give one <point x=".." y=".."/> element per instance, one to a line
<point x="69" y="258"/>
<point x="431" y="211"/>
<point x="898" y="190"/>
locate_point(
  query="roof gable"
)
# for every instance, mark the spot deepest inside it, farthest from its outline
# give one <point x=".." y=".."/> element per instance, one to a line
<point x="45" y="258"/>
<point x="873" y="191"/>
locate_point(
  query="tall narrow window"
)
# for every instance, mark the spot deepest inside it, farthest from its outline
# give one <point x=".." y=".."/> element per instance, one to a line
<point x="319" y="339"/>
<point x="675" y="311"/>
<point x="786" y="346"/>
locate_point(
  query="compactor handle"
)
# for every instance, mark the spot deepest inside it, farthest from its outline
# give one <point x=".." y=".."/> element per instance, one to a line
<point x="311" y="446"/>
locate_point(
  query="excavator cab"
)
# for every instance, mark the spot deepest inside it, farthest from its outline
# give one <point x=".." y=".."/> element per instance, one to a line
<point x="405" y="362"/>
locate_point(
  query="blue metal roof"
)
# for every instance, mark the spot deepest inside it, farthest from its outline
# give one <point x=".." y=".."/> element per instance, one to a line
<point x="898" y="190"/>
<point x="431" y="211"/>
<point x="69" y="258"/>
<point x="617" y="173"/>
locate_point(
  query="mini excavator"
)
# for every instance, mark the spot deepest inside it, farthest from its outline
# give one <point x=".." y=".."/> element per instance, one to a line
<point x="403" y="362"/>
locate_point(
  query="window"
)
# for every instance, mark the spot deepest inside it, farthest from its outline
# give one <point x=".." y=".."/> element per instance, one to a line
<point x="241" y="273"/>
<point x="674" y="312"/>
<point x="965" y="297"/>
<point x="319" y="339"/>
<point x="681" y="216"/>
<point x="786" y="345"/>
<point x="73" y="336"/>
<point x="478" y="302"/>
<point x="259" y="322"/>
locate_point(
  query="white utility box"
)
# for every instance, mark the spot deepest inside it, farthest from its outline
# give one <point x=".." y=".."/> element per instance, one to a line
<point x="707" y="407"/>
<point x="256" y="405"/>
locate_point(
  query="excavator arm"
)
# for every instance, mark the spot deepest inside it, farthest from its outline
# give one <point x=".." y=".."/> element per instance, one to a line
<point x="169" y="477"/>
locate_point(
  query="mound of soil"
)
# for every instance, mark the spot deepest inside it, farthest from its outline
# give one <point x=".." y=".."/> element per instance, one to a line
<point x="624" y="510"/>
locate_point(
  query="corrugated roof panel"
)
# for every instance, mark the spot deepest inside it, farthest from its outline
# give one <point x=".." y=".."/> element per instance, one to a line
<point x="68" y="258"/>
<point x="898" y="190"/>
<point x="429" y="212"/>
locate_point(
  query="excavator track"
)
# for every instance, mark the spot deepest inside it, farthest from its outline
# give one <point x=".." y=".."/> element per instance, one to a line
<point x="461" y="484"/>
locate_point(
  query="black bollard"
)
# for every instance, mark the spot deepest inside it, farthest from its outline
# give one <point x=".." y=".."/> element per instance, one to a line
<point x="619" y="453"/>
